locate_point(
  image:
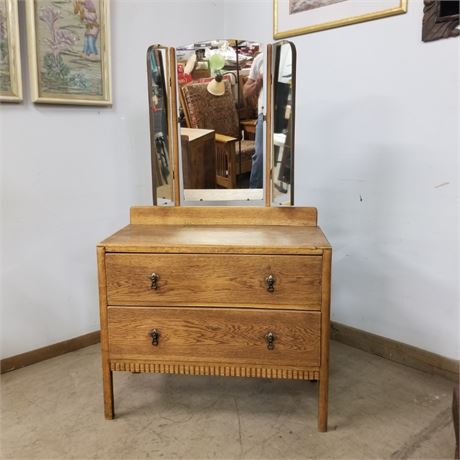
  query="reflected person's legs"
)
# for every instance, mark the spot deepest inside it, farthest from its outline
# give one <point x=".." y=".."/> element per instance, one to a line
<point x="257" y="168"/>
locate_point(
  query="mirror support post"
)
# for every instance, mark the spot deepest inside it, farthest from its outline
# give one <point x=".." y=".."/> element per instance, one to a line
<point x="268" y="127"/>
<point x="174" y="127"/>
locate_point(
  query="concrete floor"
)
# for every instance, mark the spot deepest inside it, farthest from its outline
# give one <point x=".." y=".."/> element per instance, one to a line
<point x="378" y="409"/>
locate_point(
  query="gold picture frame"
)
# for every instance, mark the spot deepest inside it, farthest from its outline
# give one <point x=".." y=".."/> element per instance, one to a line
<point x="69" y="51"/>
<point x="10" y="55"/>
<point x="283" y="28"/>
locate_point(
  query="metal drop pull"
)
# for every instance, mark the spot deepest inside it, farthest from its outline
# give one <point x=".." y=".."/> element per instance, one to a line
<point x="155" y="334"/>
<point x="270" y="281"/>
<point x="270" y="339"/>
<point x="154" y="279"/>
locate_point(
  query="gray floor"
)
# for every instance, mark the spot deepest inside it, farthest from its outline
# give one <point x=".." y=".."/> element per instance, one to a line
<point x="377" y="410"/>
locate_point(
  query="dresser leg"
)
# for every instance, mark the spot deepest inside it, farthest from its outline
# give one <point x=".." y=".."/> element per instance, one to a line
<point x="322" y="404"/>
<point x="108" y="392"/>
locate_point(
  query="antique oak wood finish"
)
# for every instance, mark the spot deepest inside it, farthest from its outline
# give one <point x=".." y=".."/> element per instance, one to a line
<point x="236" y="292"/>
<point x="214" y="280"/>
<point x="235" y="336"/>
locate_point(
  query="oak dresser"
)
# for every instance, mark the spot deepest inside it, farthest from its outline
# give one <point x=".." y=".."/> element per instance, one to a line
<point x="226" y="291"/>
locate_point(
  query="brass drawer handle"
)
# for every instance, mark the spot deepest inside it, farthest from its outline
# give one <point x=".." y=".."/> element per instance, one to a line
<point x="155" y="334"/>
<point x="270" y="339"/>
<point x="154" y="279"/>
<point x="270" y="281"/>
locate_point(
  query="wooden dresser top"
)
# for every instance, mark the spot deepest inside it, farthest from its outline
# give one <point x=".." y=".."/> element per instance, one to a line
<point x="220" y="230"/>
<point x="265" y="239"/>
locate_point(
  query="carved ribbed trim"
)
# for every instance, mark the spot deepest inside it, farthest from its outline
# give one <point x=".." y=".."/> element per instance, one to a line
<point x="228" y="371"/>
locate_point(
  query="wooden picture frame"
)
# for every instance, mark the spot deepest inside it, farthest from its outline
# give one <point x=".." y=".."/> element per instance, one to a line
<point x="69" y="51"/>
<point x="298" y="17"/>
<point x="10" y="56"/>
<point x="439" y="21"/>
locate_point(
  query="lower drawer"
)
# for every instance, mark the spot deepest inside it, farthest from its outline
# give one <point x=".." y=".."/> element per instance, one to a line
<point x="215" y="335"/>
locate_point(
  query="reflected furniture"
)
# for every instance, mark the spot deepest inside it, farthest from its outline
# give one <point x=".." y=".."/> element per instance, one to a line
<point x="249" y="127"/>
<point x="198" y="158"/>
<point x="203" y="110"/>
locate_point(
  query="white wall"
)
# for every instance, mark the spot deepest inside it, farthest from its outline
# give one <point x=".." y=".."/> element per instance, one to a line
<point x="377" y="138"/>
<point x="375" y="118"/>
<point x="70" y="174"/>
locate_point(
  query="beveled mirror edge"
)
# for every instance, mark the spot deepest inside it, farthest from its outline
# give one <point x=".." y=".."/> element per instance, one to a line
<point x="292" y="134"/>
<point x="293" y="96"/>
<point x="175" y="127"/>
<point x="268" y="125"/>
<point x="154" y="164"/>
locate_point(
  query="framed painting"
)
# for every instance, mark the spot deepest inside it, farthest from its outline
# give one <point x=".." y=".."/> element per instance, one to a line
<point x="69" y="51"/>
<point x="297" y="17"/>
<point x="10" y="58"/>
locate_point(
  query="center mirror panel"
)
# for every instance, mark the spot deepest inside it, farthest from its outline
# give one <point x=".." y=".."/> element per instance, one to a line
<point x="221" y="94"/>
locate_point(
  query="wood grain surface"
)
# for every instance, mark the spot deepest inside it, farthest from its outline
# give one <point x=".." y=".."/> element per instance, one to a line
<point x="232" y="336"/>
<point x="211" y="307"/>
<point x="223" y="215"/>
<point x="107" y="378"/>
<point x="323" y="393"/>
<point x="224" y="370"/>
<point x="218" y="239"/>
<point x="214" y="280"/>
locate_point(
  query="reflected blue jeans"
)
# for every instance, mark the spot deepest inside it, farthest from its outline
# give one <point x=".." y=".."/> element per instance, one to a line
<point x="257" y="168"/>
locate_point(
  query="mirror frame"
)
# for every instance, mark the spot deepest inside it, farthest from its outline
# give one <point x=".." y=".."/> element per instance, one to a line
<point x="167" y="89"/>
<point x="173" y="126"/>
<point x="291" y="133"/>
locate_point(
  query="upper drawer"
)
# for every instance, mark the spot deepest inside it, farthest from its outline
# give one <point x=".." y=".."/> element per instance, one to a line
<point x="214" y="280"/>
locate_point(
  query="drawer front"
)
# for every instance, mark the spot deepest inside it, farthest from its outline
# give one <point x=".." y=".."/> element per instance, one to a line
<point x="214" y="280"/>
<point x="232" y="336"/>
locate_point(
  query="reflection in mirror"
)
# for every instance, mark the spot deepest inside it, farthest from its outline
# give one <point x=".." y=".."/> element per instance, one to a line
<point x="284" y="62"/>
<point x="221" y="95"/>
<point x="157" y="73"/>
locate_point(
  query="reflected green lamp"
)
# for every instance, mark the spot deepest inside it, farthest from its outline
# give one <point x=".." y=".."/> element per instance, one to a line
<point x="216" y="86"/>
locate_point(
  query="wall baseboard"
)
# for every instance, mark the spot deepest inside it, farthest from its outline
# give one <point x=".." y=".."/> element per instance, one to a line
<point x="398" y="352"/>
<point x="51" y="351"/>
<point x="392" y="350"/>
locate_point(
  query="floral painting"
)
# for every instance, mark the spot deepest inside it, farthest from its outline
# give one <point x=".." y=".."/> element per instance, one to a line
<point x="296" y="6"/>
<point x="71" y="51"/>
<point x="10" y="66"/>
<point x="5" y="78"/>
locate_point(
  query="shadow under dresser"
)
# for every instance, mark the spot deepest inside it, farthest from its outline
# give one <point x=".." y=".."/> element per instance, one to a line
<point x="226" y="291"/>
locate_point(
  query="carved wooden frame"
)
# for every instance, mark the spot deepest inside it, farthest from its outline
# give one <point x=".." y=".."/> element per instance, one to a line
<point x="436" y="27"/>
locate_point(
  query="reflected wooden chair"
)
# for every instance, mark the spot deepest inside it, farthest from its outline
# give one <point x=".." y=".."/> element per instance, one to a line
<point x="203" y="110"/>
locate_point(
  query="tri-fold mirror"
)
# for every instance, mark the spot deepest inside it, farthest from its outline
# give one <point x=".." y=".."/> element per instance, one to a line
<point x="222" y="122"/>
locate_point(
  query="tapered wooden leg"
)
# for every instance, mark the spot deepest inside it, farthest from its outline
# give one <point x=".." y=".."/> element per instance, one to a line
<point x="322" y="404"/>
<point x="108" y="391"/>
<point x="325" y="329"/>
<point x="107" y="381"/>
